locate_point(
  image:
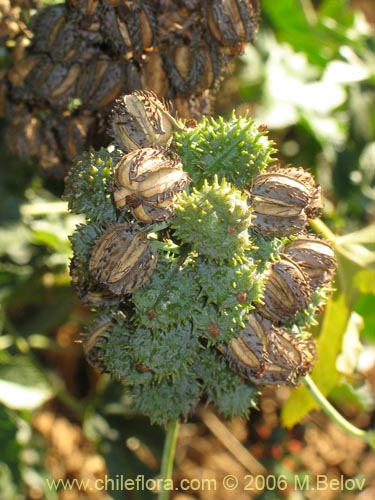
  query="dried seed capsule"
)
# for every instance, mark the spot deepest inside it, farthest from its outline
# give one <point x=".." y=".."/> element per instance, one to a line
<point x="232" y="22"/>
<point x="24" y="135"/>
<point x="48" y="81"/>
<point x="315" y="257"/>
<point x="153" y="75"/>
<point x="129" y="28"/>
<point x="147" y="181"/>
<point x="85" y="7"/>
<point x="18" y="76"/>
<point x="283" y="200"/>
<point x="55" y="34"/>
<point x="140" y="120"/>
<point x="92" y="342"/>
<point x="100" y="83"/>
<point x="287" y="291"/>
<point x="74" y="133"/>
<point x="122" y="260"/>
<point x="269" y="355"/>
<point x="193" y="106"/>
<point x="192" y="67"/>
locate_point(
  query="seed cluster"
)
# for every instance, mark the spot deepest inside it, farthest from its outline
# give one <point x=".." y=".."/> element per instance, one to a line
<point x="145" y="181"/>
<point x="71" y="62"/>
<point x="202" y="270"/>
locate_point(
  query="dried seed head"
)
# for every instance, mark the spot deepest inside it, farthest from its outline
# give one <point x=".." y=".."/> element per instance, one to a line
<point x="92" y="342"/>
<point x="268" y="355"/>
<point x="283" y="200"/>
<point x="287" y="291"/>
<point x="147" y="182"/>
<point x="232" y="22"/>
<point x="315" y="257"/>
<point x="122" y="260"/>
<point x="140" y="120"/>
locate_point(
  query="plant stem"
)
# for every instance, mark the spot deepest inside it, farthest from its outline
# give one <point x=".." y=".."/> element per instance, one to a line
<point x="168" y="457"/>
<point x="335" y="416"/>
<point x="321" y="228"/>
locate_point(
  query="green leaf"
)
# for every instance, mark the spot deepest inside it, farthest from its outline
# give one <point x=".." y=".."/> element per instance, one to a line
<point x="22" y="385"/>
<point x="324" y="374"/>
<point x="364" y="281"/>
<point x="365" y="306"/>
<point x="359" y="247"/>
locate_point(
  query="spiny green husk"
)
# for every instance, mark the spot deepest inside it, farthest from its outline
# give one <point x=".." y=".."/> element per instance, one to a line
<point x="214" y="220"/>
<point x="237" y="149"/>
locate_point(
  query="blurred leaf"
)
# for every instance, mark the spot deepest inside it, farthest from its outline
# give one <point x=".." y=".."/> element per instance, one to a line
<point x="365" y="306"/>
<point x="359" y="247"/>
<point x="347" y="360"/>
<point x="361" y="397"/>
<point x="22" y="385"/>
<point x="15" y="243"/>
<point x="343" y="72"/>
<point x="10" y="451"/>
<point x="364" y="281"/>
<point x="324" y="374"/>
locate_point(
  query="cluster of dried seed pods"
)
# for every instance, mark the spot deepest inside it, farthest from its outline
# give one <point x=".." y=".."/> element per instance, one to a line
<point x="76" y="57"/>
<point x="146" y="180"/>
<point x="266" y="352"/>
<point x="149" y="175"/>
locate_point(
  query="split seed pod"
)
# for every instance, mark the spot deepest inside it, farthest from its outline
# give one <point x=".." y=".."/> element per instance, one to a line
<point x="315" y="257"/>
<point x="283" y="200"/>
<point x="122" y="260"/>
<point x="232" y="22"/>
<point x="287" y="291"/>
<point x="55" y="34"/>
<point x="268" y="355"/>
<point x="193" y="68"/>
<point x="140" y="120"/>
<point x="92" y="341"/>
<point x="147" y="181"/>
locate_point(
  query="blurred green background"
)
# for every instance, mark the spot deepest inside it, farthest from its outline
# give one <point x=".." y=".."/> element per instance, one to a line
<point x="310" y="78"/>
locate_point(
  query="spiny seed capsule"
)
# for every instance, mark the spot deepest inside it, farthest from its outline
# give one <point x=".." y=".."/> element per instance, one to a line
<point x="232" y="22"/>
<point x="122" y="260"/>
<point x="267" y="355"/>
<point x="283" y="200"/>
<point x="92" y="342"/>
<point x="286" y="292"/>
<point x="140" y="120"/>
<point x="147" y="181"/>
<point x="315" y="257"/>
